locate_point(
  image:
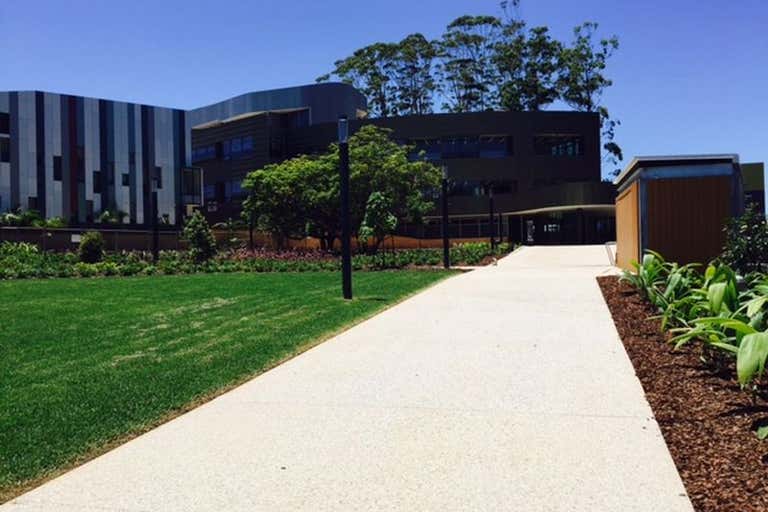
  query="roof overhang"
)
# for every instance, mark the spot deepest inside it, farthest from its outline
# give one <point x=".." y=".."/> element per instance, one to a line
<point x="672" y="160"/>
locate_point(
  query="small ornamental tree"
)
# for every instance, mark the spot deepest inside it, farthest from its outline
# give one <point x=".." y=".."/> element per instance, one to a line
<point x="91" y="249"/>
<point x="197" y="233"/>
<point x="378" y="222"/>
<point x="746" y="241"/>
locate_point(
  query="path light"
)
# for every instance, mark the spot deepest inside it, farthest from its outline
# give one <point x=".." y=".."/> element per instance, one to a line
<point x="346" y="256"/>
<point x="444" y="201"/>
<point x="491" y="215"/>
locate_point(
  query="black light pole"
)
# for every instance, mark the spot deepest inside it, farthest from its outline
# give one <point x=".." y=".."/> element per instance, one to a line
<point x="491" y="216"/>
<point x="444" y="201"/>
<point x="155" y="233"/>
<point x="346" y="256"/>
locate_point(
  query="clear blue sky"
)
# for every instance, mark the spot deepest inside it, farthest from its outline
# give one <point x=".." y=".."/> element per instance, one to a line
<point x="691" y="76"/>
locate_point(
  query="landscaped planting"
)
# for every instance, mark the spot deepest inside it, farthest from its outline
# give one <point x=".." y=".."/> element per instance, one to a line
<point x="88" y="363"/>
<point x="724" y="312"/>
<point x="707" y="420"/>
<point x="22" y="260"/>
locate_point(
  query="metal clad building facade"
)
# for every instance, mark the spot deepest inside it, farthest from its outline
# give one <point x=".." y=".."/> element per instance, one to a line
<point x="74" y="157"/>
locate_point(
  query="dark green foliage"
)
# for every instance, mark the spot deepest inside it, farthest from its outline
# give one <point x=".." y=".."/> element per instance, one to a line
<point x="300" y="196"/>
<point x="91" y="249"/>
<point x="198" y="234"/>
<point x="24" y="261"/>
<point x="86" y="363"/>
<point x="746" y="244"/>
<point x="378" y="221"/>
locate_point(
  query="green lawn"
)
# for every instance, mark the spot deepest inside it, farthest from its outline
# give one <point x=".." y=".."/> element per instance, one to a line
<point x="87" y="363"/>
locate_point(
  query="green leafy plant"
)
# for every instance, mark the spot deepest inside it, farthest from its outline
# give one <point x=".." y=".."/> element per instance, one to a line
<point x="91" y="249"/>
<point x="197" y="233"/>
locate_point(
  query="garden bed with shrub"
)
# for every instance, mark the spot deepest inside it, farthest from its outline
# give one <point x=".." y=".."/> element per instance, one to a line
<point x="708" y="421"/>
<point x="22" y="260"/>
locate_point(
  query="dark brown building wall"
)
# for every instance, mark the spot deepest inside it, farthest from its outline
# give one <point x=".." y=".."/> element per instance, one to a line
<point x="685" y="217"/>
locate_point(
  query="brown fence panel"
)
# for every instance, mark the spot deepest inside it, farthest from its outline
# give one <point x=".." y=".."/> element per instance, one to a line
<point x="627" y="227"/>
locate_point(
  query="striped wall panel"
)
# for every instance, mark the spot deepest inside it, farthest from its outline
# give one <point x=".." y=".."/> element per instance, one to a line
<point x="75" y="157"/>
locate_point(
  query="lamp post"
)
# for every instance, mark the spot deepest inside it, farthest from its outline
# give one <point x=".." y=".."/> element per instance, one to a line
<point x="155" y="232"/>
<point x="491" y="216"/>
<point x="444" y="203"/>
<point x="346" y="256"/>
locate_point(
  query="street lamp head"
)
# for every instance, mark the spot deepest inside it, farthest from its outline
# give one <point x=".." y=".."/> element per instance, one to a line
<point x="343" y="129"/>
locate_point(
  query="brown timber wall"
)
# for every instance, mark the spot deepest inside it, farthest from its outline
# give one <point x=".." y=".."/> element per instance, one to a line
<point x="685" y="217"/>
<point x="627" y="227"/>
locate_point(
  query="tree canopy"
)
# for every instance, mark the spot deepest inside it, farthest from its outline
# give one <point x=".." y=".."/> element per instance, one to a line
<point x="484" y="62"/>
<point x="300" y="196"/>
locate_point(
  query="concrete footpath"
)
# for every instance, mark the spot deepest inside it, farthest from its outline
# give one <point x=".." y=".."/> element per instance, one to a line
<point x="505" y="388"/>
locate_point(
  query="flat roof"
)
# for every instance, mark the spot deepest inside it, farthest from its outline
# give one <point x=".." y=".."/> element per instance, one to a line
<point x="664" y="160"/>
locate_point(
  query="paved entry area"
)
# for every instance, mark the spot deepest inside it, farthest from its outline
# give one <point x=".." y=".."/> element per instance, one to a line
<point x="505" y="388"/>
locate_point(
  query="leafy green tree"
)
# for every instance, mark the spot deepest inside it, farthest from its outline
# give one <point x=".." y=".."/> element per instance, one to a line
<point x="413" y="77"/>
<point x="197" y="233"/>
<point x="582" y="80"/>
<point x="276" y="199"/>
<point x="370" y="70"/>
<point x="378" y="222"/>
<point x="528" y="65"/>
<point x="466" y="63"/>
<point x="301" y="196"/>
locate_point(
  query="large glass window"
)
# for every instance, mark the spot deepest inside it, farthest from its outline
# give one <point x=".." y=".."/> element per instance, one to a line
<point x="560" y="145"/>
<point x="236" y="146"/>
<point x="5" y="123"/>
<point x="203" y="153"/>
<point x="495" y="146"/>
<point x="460" y="147"/>
<point x="247" y="144"/>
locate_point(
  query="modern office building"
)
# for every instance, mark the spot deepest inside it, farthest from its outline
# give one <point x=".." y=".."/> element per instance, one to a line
<point x="74" y="157"/>
<point x="542" y="168"/>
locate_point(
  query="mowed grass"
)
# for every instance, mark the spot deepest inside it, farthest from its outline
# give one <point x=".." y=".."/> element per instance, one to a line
<point x="88" y="363"/>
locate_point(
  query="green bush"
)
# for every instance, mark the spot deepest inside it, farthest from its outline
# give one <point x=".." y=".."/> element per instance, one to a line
<point x="197" y="233"/>
<point x="746" y="245"/>
<point x="91" y="248"/>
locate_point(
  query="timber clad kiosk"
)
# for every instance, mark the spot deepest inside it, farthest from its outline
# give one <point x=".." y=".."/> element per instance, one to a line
<point x="676" y="206"/>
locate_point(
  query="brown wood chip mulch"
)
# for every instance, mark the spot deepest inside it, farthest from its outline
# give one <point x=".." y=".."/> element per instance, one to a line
<point x="708" y="422"/>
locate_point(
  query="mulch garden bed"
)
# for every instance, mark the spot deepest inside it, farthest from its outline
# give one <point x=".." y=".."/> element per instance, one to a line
<point x="708" y="422"/>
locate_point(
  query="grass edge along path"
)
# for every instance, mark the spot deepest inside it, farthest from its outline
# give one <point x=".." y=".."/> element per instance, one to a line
<point x="197" y="299"/>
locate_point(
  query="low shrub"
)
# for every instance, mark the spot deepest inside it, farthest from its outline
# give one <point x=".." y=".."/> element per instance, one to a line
<point x="198" y="234"/>
<point x="91" y="248"/>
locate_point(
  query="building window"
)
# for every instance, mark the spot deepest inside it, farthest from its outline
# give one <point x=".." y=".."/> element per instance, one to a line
<point x="5" y="123"/>
<point x="248" y="144"/>
<point x="226" y="151"/>
<point x="236" y="146"/>
<point x="210" y="192"/>
<point x="5" y="149"/>
<point x="57" y="168"/>
<point x="460" y="147"/>
<point x="495" y="146"/>
<point x="203" y="153"/>
<point x="428" y="149"/>
<point x="32" y="203"/>
<point x="504" y="187"/>
<point x="96" y="182"/>
<point x="126" y="179"/>
<point x="558" y="145"/>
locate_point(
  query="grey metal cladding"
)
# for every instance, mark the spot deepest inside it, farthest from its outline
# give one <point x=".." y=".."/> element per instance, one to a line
<point x="326" y="102"/>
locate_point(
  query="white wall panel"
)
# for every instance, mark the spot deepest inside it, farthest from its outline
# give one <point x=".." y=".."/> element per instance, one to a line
<point x="53" y="201"/>
<point x="27" y="148"/>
